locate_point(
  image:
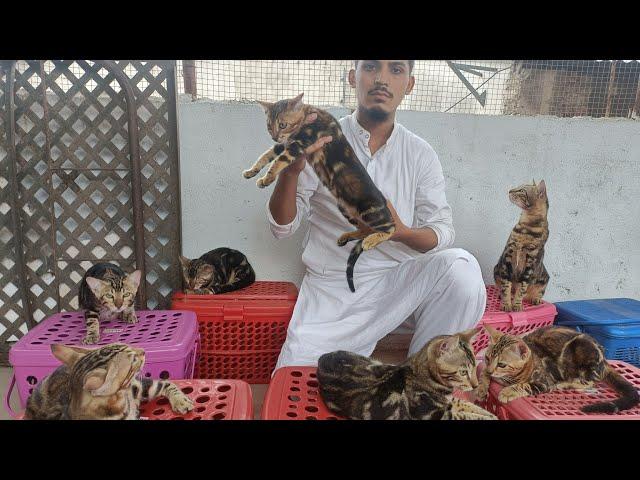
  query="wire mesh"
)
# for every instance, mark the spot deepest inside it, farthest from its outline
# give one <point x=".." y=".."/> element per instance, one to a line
<point x="565" y="88"/>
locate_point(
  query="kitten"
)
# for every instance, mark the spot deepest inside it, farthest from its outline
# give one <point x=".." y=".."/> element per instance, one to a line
<point x="337" y="167"/>
<point x="218" y="271"/>
<point x="520" y="269"/>
<point x="99" y="384"/>
<point x="107" y="292"/>
<point x="421" y="388"/>
<point x="552" y="358"/>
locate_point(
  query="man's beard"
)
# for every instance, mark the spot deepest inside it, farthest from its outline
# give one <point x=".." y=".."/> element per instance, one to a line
<point x="376" y="114"/>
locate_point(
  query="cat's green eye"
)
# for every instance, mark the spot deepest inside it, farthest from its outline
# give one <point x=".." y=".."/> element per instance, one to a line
<point x="502" y="365"/>
<point x="282" y="125"/>
<point x="108" y="295"/>
<point x="126" y="294"/>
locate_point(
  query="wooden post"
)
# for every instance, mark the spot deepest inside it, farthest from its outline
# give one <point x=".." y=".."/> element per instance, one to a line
<point x="189" y="75"/>
<point x="635" y="109"/>
<point x="610" y="86"/>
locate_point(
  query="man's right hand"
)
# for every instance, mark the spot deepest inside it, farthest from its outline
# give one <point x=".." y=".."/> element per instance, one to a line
<point x="298" y="165"/>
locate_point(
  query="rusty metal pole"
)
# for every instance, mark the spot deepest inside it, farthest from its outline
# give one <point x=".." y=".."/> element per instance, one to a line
<point x="189" y="75"/>
<point x="136" y="177"/>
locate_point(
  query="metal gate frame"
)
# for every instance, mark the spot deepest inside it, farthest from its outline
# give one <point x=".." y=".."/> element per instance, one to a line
<point x="165" y="142"/>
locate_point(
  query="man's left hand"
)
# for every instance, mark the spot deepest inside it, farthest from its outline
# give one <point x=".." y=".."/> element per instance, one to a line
<point x="401" y="228"/>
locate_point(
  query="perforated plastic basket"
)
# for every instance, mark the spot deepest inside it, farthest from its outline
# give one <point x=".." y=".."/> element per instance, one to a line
<point x="242" y="332"/>
<point x="213" y="400"/>
<point x="564" y="404"/>
<point x="514" y="323"/>
<point x="293" y="395"/>
<point x="613" y="322"/>
<point x="168" y="337"/>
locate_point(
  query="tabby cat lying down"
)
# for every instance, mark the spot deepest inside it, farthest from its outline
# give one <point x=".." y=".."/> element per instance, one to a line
<point x="221" y="270"/>
<point x="421" y="388"/>
<point x="99" y="384"/>
<point x="552" y="358"/>
<point x="337" y="167"/>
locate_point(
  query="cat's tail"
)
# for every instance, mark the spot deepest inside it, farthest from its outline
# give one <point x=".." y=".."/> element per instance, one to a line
<point x="629" y="396"/>
<point x="351" y="262"/>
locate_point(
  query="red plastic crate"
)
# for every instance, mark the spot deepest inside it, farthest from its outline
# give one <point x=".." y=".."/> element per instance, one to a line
<point x="213" y="400"/>
<point x="564" y="404"/>
<point x="293" y="395"/>
<point x="241" y="332"/>
<point x="515" y="323"/>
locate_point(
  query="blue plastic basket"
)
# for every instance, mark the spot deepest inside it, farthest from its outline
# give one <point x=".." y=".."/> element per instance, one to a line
<point x="614" y="323"/>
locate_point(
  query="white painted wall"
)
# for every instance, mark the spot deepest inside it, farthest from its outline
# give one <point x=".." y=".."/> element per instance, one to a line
<point x="591" y="167"/>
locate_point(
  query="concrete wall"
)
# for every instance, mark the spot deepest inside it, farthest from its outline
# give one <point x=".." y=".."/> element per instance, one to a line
<point x="591" y="168"/>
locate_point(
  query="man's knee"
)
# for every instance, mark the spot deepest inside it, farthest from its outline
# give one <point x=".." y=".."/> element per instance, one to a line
<point x="462" y="269"/>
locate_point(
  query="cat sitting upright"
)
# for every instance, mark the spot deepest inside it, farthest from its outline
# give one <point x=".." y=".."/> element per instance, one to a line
<point x="107" y="292"/>
<point x="520" y="272"/>
<point x="337" y="167"/>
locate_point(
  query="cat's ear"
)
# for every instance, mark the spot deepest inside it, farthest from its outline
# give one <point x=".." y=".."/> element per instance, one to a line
<point x="447" y="345"/>
<point x="134" y="278"/>
<point x="94" y="284"/>
<point x="521" y="349"/>
<point x="542" y="189"/>
<point x="106" y="384"/>
<point x="266" y="105"/>
<point x="184" y="260"/>
<point x="297" y="102"/>
<point x="68" y="355"/>
<point x="468" y="335"/>
<point x="493" y="333"/>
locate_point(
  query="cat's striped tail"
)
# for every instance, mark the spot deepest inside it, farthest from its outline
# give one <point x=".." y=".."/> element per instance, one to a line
<point x="629" y="396"/>
<point x="351" y="262"/>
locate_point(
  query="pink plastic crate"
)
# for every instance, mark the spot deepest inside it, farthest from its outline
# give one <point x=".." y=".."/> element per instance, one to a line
<point x="564" y="404"/>
<point x="514" y="323"/>
<point x="212" y="399"/>
<point x="169" y="338"/>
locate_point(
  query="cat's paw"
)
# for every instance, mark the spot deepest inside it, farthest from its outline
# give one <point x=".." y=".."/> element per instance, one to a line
<point x="482" y="391"/>
<point x="249" y="173"/>
<point x="517" y="308"/>
<point x="536" y="301"/>
<point x="181" y="403"/>
<point x="262" y="183"/>
<point x="508" y="394"/>
<point x="129" y="317"/>
<point x="343" y="240"/>
<point x="506" y="307"/>
<point x="91" y="339"/>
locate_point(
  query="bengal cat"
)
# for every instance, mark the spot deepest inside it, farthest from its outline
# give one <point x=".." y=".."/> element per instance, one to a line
<point x="107" y="292"/>
<point x="337" y="167"/>
<point x="520" y="272"/>
<point x="421" y="388"/>
<point x="552" y="358"/>
<point x="219" y="271"/>
<point x="99" y="384"/>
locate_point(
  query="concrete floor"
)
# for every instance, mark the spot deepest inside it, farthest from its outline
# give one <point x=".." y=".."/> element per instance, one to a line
<point x="390" y="350"/>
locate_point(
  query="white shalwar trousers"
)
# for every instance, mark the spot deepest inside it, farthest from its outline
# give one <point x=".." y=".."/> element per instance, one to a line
<point x="443" y="292"/>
